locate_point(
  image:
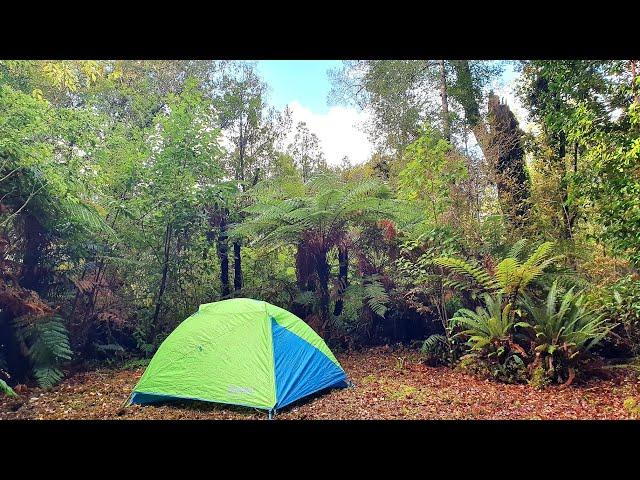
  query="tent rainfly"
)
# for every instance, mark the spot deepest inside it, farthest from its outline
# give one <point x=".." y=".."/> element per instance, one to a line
<point x="241" y="352"/>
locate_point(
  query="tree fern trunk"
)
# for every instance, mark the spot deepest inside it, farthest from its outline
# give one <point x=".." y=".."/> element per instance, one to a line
<point x="323" y="271"/>
<point x="33" y="276"/>
<point x="237" y="267"/>
<point x="343" y="261"/>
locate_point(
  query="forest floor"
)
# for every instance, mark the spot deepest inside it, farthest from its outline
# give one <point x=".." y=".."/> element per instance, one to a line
<point x="386" y="387"/>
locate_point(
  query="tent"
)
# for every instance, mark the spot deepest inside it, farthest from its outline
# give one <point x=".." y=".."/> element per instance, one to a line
<point x="241" y="352"/>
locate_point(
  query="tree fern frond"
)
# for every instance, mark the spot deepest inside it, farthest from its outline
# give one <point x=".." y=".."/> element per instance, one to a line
<point x="466" y="269"/>
<point x="516" y="249"/>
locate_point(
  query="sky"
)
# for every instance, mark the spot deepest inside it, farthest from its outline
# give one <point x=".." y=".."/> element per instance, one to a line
<point x="304" y="85"/>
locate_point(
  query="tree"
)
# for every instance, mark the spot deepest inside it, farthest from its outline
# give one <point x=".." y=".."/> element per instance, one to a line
<point x="252" y="131"/>
<point x="306" y="152"/>
<point x="184" y="173"/>
<point x="316" y="222"/>
<point x="431" y="170"/>
<point x="403" y="95"/>
<point x="507" y="152"/>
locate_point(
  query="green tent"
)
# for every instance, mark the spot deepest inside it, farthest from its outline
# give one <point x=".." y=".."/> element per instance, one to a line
<point x="242" y="352"/>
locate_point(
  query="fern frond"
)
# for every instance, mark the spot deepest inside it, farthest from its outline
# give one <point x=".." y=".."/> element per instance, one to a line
<point x="434" y="343"/>
<point x="376" y="295"/>
<point x="517" y="248"/>
<point x="6" y="389"/>
<point x="468" y="270"/>
<point x="48" y="346"/>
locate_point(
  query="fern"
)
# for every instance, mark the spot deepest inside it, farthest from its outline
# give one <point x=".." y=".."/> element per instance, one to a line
<point x="87" y="217"/>
<point x="484" y="326"/>
<point x="566" y="322"/>
<point x="517" y="248"/>
<point x="433" y="344"/>
<point x="469" y="271"/>
<point x="48" y="345"/>
<point x="375" y="294"/>
<point x="6" y="389"/>
<point x="511" y="276"/>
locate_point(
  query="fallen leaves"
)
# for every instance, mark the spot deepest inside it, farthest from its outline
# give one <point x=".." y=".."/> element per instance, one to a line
<point x="382" y="391"/>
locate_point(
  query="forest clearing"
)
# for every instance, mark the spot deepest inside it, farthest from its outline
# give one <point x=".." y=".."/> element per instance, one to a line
<point x="353" y="239"/>
<point x="384" y="390"/>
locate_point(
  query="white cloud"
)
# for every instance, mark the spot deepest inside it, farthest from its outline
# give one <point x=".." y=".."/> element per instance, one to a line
<point x="339" y="130"/>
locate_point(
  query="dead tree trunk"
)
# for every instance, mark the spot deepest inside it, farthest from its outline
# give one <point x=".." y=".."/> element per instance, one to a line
<point x="507" y="158"/>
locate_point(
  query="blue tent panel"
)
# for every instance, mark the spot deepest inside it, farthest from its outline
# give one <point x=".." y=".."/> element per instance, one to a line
<point x="143" y="398"/>
<point x="301" y="369"/>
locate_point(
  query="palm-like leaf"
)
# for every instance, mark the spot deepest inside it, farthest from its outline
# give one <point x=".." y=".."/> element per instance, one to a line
<point x="484" y="325"/>
<point x="511" y="276"/>
<point x="327" y="206"/>
<point x="567" y="322"/>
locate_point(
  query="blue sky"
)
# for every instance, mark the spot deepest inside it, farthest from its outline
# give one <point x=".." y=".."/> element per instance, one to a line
<point x="303" y="80"/>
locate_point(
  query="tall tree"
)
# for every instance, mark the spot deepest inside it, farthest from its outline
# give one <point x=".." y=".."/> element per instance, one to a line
<point x="306" y="152"/>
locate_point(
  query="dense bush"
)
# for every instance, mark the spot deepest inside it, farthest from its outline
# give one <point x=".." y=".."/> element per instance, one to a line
<point x="620" y="303"/>
<point x="133" y="191"/>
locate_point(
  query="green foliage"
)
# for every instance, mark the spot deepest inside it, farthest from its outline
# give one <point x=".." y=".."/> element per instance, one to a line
<point x="47" y="341"/>
<point x="366" y="292"/>
<point x="437" y="350"/>
<point x="327" y="206"/>
<point x="565" y="328"/>
<point x="375" y="295"/>
<point x="486" y="327"/>
<point x="511" y="276"/>
<point x="6" y="389"/>
<point x="432" y="169"/>
<point x="620" y="303"/>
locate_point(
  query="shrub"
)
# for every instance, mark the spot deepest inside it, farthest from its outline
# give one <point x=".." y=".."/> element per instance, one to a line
<point x="489" y="333"/>
<point x="565" y="329"/>
<point x="6" y="389"/>
<point x="620" y="302"/>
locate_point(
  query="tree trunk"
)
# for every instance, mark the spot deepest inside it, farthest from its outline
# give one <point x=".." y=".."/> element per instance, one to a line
<point x="33" y="275"/>
<point x="322" y="272"/>
<point x="237" y="267"/>
<point x="446" y="121"/>
<point x="343" y="261"/>
<point x="223" y="249"/>
<point x="634" y="87"/>
<point x="165" y="272"/>
<point x="507" y="159"/>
